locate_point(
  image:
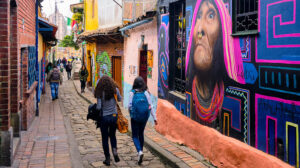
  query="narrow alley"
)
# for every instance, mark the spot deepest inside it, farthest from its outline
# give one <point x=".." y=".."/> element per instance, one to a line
<point x="62" y="137"/>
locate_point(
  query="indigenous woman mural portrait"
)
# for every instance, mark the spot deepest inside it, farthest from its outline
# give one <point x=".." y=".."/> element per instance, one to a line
<point x="213" y="56"/>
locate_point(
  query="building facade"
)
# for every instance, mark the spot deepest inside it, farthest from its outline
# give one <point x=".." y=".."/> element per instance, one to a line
<point x="234" y="66"/>
<point x="60" y="21"/>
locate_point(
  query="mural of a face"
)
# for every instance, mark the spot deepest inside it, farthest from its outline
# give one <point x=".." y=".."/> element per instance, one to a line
<point x="205" y="35"/>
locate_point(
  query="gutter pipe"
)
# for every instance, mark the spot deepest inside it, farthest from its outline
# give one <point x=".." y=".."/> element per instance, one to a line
<point x="131" y="26"/>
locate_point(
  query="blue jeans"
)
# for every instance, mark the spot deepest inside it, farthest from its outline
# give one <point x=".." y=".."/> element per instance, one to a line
<point x="54" y="89"/>
<point x="108" y="126"/>
<point x="138" y="134"/>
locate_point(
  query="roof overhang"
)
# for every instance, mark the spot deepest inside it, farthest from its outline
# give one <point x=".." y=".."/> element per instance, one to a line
<point x="104" y="35"/>
<point x="76" y="7"/>
<point x="133" y="25"/>
<point x="47" y="30"/>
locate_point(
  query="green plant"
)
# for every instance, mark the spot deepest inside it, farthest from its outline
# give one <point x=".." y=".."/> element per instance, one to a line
<point x="68" y="41"/>
<point x="78" y="17"/>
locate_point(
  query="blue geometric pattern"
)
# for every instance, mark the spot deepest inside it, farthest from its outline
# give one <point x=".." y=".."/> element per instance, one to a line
<point x="31" y="66"/>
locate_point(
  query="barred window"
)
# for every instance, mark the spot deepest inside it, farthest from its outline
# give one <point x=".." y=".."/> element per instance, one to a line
<point x="178" y="46"/>
<point x="245" y="17"/>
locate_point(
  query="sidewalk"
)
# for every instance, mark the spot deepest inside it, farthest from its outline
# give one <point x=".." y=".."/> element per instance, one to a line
<point x="45" y="144"/>
<point x="174" y="154"/>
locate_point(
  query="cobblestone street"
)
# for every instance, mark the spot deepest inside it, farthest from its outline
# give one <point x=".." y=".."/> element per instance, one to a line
<point x="88" y="138"/>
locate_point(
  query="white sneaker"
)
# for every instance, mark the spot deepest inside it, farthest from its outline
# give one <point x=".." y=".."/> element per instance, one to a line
<point x="140" y="157"/>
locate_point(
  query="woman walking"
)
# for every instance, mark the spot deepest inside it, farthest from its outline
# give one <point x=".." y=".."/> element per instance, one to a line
<point x="105" y="90"/>
<point x="139" y="108"/>
<point x="83" y="75"/>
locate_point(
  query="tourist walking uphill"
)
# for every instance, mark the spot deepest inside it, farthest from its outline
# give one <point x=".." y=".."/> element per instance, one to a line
<point x="55" y="79"/>
<point x="83" y="75"/>
<point x="139" y="108"/>
<point x="107" y="105"/>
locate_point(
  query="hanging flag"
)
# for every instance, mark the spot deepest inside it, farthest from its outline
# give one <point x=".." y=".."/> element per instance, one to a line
<point x="73" y="23"/>
<point x="69" y="20"/>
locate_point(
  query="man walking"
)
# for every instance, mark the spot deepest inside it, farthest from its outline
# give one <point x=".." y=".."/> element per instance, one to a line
<point x="55" y="79"/>
<point x="69" y="69"/>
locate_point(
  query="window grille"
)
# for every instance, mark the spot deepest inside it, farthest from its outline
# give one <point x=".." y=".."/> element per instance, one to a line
<point x="245" y="17"/>
<point x="31" y="66"/>
<point x="179" y="36"/>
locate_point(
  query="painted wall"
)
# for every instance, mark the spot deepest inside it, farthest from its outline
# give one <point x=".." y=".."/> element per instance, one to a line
<point x="90" y="60"/>
<point x="91" y="14"/>
<point x="112" y="49"/>
<point x="245" y="87"/>
<point x="131" y="58"/>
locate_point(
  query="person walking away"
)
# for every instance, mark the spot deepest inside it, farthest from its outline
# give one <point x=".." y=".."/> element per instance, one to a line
<point x="105" y="90"/>
<point x="69" y="69"/>
<point x="64" y="62"/>
<point x="58" y="62"/>
<point x="139" y="109"/>
<point x="83" y="75"/>
<point x="55" y="79"/>
<point x="49" y="67"/>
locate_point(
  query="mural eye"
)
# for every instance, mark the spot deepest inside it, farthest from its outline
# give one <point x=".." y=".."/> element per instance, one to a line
<point x="211" y="15"/>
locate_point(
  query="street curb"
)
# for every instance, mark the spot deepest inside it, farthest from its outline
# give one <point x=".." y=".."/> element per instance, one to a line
<point x="74" y="151"/>
<point x="166" y="157"/>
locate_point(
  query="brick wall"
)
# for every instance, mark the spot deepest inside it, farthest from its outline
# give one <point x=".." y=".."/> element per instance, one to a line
<point x="27" y="37"/>
<point x="4" y="65"/>
<point x="26" y="12"/>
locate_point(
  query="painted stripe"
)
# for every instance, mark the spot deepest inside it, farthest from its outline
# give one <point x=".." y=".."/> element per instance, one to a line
<point x="273" y="78"/>
<point x="279" y="78"/>
<point x="287" y="80"/>
<point x="295" y="81"/>
<point x="266" y="77"/>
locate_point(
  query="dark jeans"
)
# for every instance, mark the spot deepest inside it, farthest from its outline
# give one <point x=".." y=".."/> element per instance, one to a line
<point x="69" y="74"/>
<point x="138" y="134"/>
<point x="108" y="126"/>
<point x="54" y="89"/>
<point x="82" y="84"/>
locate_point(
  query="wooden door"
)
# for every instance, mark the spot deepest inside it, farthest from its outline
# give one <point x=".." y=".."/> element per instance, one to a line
<point x="143" y="65"/>
<point x="117" y="70"/>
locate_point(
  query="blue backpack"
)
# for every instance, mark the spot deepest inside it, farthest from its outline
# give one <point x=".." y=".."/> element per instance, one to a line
<point x="140" y="111"/>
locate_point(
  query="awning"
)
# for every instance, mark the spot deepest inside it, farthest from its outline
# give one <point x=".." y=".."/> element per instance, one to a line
<point x="47" y="30"/>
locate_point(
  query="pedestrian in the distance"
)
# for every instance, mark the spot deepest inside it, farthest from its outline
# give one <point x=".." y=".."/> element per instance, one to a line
<point x="55" y="78"/>
<point x="49" y="67"/>
<point x="139" y="109"/>
<point x="64" y="62"/>
<point x="69" y="69"/>
<point x="105" y="90"/>
<point x="83" y="75"/>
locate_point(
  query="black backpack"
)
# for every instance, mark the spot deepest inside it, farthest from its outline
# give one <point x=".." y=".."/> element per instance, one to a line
<point x="93" y="113"/>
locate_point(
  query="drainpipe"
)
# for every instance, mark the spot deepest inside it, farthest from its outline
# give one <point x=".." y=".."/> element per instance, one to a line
<point x="36" y="54"/>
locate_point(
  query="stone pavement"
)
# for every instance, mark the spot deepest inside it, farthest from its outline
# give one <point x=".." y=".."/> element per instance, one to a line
<point x="174" y="154"/>
<point x="45" y="144"/>
<point x="88" y="138"/>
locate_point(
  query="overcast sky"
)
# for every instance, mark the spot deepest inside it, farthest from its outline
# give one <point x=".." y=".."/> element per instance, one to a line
<point x="48" y="7"/>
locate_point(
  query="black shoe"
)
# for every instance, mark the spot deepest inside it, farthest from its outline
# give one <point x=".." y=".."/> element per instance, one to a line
<point x="107" y="161"/>
<point x="116" y="157"/>
<point x="140" y="159"/>
<point x="53" y="99"/>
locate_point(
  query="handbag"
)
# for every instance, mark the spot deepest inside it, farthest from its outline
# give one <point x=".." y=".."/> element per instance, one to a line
<point x="122" y="122"/>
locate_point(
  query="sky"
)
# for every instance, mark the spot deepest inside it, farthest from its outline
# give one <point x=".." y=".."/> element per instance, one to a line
<point x="48" y="7"/>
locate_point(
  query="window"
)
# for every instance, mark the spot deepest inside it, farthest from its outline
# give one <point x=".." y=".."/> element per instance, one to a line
<point x="93" y="8"/>
<point x="177" y="46"/>
<point x="245" y="17"/>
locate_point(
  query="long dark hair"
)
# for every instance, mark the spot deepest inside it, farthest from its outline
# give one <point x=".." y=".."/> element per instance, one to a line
<point x="217" y="71"/>
<point x="139" y="84"/>
<point x="107" y="86"/>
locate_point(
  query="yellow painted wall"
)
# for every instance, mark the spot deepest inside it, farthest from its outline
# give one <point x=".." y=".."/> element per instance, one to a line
<point x="92" y="48"/>
<point x="91" y="20"/>
<point x="41" y="47"/>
